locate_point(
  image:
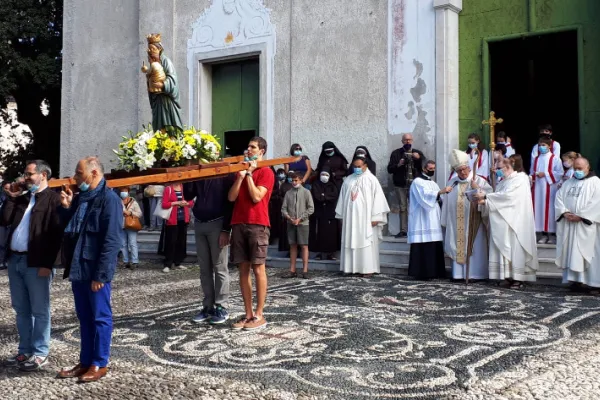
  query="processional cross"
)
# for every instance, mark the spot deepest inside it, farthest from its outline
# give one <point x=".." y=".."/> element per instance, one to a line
<point x="492" y="122"/>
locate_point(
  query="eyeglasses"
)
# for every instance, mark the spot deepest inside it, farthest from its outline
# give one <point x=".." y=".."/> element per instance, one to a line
<point x="29" y="174"/>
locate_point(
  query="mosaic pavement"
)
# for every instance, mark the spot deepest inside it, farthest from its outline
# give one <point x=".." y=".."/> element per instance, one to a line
<point x="329" y="337"/>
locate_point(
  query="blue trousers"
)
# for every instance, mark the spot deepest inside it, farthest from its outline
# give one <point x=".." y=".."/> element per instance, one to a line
<point x="95" y="323"/>
<point x="30" y="298"/>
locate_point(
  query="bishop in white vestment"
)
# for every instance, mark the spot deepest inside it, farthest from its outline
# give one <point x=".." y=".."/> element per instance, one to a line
<point x="363" y="209"/>
<point x="546" y="173"/>
<point x="424" y="227"/>
<point x="513" y="251"/>
<point x="578" y="228"/>
<point x="456" y="213"/>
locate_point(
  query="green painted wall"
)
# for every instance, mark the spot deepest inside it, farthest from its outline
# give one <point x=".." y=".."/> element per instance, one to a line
<point x="493" y="18"/>
<point x="235" y="97"/>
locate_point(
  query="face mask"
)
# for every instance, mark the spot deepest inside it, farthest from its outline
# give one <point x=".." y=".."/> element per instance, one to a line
<point x="84" y="186"/>
<point x="567" y="164"/>
<point x="297" y="153"/>
<point x="124" y="195"/>
<point x="579" y="174"/>
<point x="324" y="178"/>
<point x="34" y="188"/>
<point x="358" y="171"/>
<point x="330" y="153"/>
<point x="499" y="173"/>
<point x="296" y="185"/>
<point x="281" y="177"/>
<point x="429" y="173"/>
<point x="407" y="146"/>
<point x="472" y="145"/>
<point x="544" y="149"/>
<point x="289" y="180"/>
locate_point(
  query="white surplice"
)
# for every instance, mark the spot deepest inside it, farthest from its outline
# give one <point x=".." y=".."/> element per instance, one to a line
<point x="513" y="250"/>
<point x="361" y="202"/>
<point x="578" y="244"/>
<point x="544" y="190"/>
<point x="424" y="214"/>
<point x="509" y="150"/>
<point x="555" y="149"/>
<point x="483" y="165"/>
<point x="456" y="222"/>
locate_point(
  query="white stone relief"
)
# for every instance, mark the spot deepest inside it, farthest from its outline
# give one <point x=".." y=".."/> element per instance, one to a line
<point x="232" y="23"/>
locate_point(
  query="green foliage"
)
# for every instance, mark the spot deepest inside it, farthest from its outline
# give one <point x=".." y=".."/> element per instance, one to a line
<point x="30" y="69"/>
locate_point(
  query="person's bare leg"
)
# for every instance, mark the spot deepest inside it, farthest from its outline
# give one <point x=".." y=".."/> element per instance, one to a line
<point x="305" y="259"/>
<point x="293" y="257"/>
<point x="260" y="277"/>
<point x="246" y="288"/>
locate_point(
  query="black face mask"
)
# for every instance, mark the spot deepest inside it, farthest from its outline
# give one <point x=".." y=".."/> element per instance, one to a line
<point x="430" y="173"/>
<point x="407" y="146"/>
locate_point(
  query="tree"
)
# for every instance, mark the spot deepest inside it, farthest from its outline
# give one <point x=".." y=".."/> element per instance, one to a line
<point x="30" y="69"/>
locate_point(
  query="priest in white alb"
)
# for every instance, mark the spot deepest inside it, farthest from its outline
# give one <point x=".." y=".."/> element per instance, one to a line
<point x="363" y="209"/>
<point x="426" y="259"/>
<point x="513" y="251"/>
<point x="578" y="228"/>
<point x="462" y="240"/>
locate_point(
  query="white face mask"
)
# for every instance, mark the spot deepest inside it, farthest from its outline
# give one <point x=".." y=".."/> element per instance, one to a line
<point x="567" y="164"/>
<point x="296" y="185"/>
<point x="324" y="178"/>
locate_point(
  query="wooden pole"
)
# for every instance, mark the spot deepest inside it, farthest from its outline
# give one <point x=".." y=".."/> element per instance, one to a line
<point x="492" y="122"/>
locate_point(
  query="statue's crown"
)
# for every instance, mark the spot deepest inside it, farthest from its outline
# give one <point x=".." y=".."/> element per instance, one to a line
<point x="153" y="38"/>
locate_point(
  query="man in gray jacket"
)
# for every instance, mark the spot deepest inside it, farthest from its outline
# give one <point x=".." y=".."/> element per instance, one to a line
<point x="296" y="209"/>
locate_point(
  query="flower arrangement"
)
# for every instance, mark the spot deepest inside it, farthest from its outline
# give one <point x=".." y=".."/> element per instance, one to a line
<point x="149" y="148"/>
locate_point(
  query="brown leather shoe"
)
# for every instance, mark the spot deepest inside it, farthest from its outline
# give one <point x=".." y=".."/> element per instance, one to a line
<point x="73" y="372"/>
<point x="93" y="374"/>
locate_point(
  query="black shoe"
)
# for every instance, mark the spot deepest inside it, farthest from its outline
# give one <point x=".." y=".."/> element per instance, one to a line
<point x="401" y="235"/>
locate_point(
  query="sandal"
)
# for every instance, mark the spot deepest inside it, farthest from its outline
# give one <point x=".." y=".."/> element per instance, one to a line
<point x="305" y="275"/>
<point x="290" y="275"/>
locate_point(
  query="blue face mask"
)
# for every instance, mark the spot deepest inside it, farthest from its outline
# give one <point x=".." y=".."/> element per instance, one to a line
<point x="84" y="187"/>
<point x="358" y="171"/>
<point x="543" y="149"/>
<point x="330" y="153"/>
<point x="499" y="173"/>
<point x="124" y="195"/>
<point x="34" y="188"/>
<point x="472" y="145"/>
<point x="297" y="153"/>
<point x="289" y="180"/>
<point x="579" y="174"/>
<point x="281" y="177"/>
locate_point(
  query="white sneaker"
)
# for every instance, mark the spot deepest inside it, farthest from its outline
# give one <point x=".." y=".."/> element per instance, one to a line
<point x="166" y="269"/>
<point x="182" y="267"/>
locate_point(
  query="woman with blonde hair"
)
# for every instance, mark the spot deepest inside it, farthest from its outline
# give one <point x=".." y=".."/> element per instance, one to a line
<point x="568" y="159"/>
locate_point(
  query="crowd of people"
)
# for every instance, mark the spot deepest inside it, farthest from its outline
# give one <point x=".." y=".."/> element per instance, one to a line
<point x="486" y="224"/>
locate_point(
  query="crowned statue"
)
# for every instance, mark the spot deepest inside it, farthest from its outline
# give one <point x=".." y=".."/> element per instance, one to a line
<point x="163" y="88"/>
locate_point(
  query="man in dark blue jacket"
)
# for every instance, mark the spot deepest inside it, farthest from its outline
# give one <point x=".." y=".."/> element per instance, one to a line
<point x="212" y="225"/>
<point x="91" y="246"/>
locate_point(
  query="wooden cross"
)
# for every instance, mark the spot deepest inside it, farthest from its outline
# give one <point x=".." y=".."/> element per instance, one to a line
<point x="492" y="122"/>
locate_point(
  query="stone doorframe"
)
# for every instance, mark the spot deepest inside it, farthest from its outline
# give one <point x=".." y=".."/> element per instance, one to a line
<point x="231" y="30"/>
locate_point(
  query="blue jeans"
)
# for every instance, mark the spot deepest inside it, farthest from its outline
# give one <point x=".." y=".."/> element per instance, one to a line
<point x="130" y="246"/>
<point x="30" y="298"/>
<point x="95" y="323"/>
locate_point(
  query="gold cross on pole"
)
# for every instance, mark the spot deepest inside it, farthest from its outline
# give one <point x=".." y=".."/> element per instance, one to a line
<point x="492" y="122"/>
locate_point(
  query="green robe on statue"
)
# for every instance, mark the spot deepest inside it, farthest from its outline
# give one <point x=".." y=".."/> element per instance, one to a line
<point x="166" y="110"/>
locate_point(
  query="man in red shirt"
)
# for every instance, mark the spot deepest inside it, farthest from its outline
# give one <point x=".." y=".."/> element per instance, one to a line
<point x="250" y="229"/>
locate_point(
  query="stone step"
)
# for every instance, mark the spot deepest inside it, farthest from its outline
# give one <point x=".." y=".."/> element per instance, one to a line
<point x="394" y="255"/>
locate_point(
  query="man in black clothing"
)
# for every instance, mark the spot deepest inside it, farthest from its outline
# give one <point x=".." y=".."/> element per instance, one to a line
<point x="212" y="212"/>
<point x="400" y="161"/>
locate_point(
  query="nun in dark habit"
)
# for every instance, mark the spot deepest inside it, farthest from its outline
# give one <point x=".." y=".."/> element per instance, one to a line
<point x="325" y="230"/>
<point x="372" y="165"/>
<point x="333" y="158"/>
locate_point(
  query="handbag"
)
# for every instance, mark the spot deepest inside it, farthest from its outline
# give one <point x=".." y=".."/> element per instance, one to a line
<point x="132" y="222"/>
<point x="164" y="213"/>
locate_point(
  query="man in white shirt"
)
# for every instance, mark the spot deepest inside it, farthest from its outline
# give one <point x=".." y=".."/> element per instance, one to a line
<point x="31" y="212"/>
<point x="424" y="227"/>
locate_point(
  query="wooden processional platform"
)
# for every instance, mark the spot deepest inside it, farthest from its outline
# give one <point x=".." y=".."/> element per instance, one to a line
<point x="190" y="173"/>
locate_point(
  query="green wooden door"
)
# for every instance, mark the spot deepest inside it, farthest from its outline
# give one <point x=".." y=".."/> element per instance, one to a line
<point x="235" y="102"/>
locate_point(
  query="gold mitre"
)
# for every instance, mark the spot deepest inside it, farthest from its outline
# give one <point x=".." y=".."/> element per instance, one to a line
<point x="458" y="159"/>
<point x="153" y="38"/>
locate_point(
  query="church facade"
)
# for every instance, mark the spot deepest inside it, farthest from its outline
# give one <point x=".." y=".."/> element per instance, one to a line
<point x="356" y="72"/>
